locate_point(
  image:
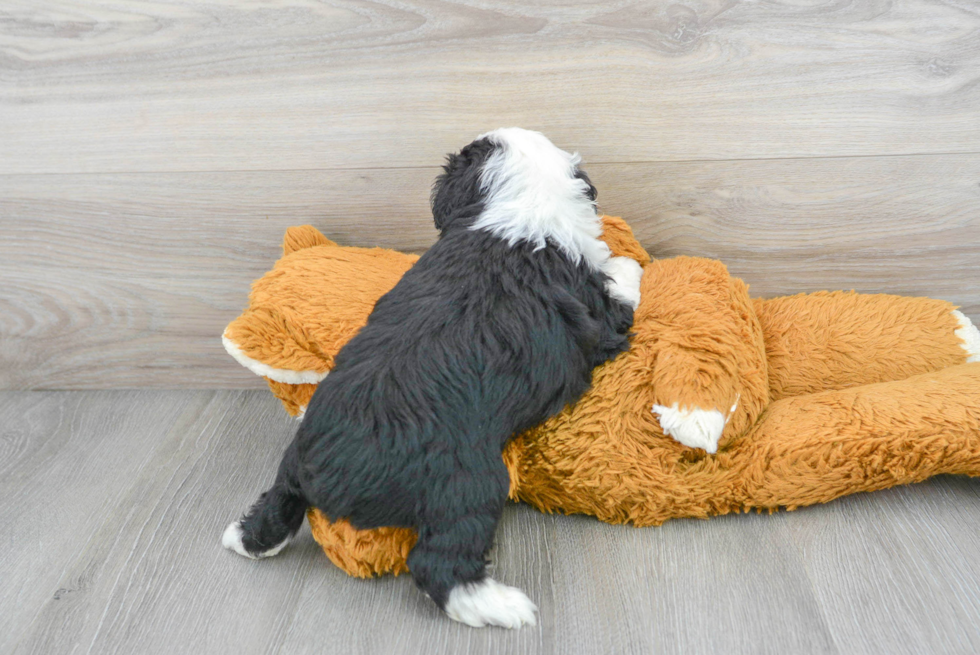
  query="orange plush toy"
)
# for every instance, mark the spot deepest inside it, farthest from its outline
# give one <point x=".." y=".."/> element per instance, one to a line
<point x="723" y="403"/>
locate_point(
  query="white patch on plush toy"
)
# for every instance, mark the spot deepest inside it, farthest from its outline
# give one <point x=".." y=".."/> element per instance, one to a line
<point x="695" y="428"/>
<point x="232" y="540"/>
<point x="532" y="195"/>
<point x="278" y="374"/>
<point x="969" y="335"/>
<point x="488" y="602"/>
<point x="301" y="413"/>
<point x="625" y="283"/>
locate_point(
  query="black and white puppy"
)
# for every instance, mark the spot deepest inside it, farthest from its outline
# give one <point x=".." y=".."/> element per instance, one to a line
<point x="497" y="327"/>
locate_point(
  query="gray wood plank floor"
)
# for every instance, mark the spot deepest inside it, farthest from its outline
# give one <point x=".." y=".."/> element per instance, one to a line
<point x="112" y="504"/>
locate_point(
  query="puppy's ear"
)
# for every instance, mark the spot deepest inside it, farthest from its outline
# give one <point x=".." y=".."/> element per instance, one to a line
<point x="457" y="192"/>
<point x="445" y="194"/>
<point x="590" y="192"/>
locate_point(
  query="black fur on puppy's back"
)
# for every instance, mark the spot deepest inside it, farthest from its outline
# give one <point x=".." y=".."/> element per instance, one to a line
<point x="479" y="340"/>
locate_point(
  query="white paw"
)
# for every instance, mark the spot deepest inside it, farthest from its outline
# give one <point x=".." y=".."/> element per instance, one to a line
<point x="969" y="335"/>
<point x="625" y="283"/>
<point x="490" y="603"/>
<point x="232" y="540"/>
<point x="695" y="428"/>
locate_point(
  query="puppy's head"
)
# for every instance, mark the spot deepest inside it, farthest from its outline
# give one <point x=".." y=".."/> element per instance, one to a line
<point x="518" y="185"/>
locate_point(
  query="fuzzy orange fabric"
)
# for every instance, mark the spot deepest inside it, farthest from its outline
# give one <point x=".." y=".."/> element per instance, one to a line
<point x="821" y="341"/>
<point x="363" y="553"/>
<point x="309" y="305"/>
<point x="824" y="394"/>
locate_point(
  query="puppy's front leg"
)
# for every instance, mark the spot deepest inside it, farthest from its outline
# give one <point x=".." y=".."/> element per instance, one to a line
<point x="624" y="279"/>
<point x="611" y="298"/>
<point x="457" y="521"/>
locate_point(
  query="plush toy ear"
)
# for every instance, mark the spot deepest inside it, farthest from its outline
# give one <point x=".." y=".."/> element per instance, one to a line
<point x="303" y="236"/>
<point x="619" y="237"/>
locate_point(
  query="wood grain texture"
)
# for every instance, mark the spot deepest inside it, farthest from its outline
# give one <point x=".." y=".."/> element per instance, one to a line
<point x="113" y="503"/>
<point x="902" y="225"/>
<point x="128" y="280"/>
<point x="153" y="576"/>
<point x="900" y="551"/>
<point x="298" y="84"/>
<point x="67" y="463"/>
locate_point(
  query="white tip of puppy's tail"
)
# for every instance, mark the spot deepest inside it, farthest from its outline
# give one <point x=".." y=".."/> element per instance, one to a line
<point x="488" y="602"/>
<point x="232" y="540"/>
<point x="969" y="335"/>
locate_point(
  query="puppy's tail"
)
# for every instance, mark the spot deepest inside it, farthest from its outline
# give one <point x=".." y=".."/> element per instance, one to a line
<point x="275" y="517"/>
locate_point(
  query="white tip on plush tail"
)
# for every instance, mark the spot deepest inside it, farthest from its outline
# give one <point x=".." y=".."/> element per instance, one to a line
<point x="695" y="428"/>
<point x="970" y="337"/>
<point x="488" y="602"/>
<point x="232" y="540"/>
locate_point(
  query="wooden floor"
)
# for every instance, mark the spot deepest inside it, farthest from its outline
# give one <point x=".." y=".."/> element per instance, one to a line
<point x="112" y="504"/>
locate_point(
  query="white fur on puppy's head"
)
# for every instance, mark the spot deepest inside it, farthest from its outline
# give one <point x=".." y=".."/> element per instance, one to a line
<point x="535" y="192"/>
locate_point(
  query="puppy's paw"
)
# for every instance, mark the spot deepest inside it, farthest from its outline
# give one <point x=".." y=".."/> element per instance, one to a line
<point x="695" y="428"/>
<point x="488" y="602"/>
<point x="625" y="283"/>
<point x="232" y="539"/>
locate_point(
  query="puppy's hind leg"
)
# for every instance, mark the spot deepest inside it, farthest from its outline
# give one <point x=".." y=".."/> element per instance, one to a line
<point x="274" y="518"/>
<point x="457" y="524"/>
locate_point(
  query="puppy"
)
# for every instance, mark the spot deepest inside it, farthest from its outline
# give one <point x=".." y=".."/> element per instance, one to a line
<point x="497" y="327"/>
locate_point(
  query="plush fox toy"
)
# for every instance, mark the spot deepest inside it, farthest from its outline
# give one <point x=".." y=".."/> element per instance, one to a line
<point x="723" y="402"/>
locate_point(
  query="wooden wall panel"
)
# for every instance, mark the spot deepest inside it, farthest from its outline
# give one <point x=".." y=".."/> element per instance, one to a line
<point x="903" y="225"/>
<point x="153" y="152"/>
<point x="297" y="84"/>
<point x="128" y="280"/>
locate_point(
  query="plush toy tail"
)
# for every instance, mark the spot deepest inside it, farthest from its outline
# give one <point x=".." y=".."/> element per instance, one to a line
<point x="835" y="340"/>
